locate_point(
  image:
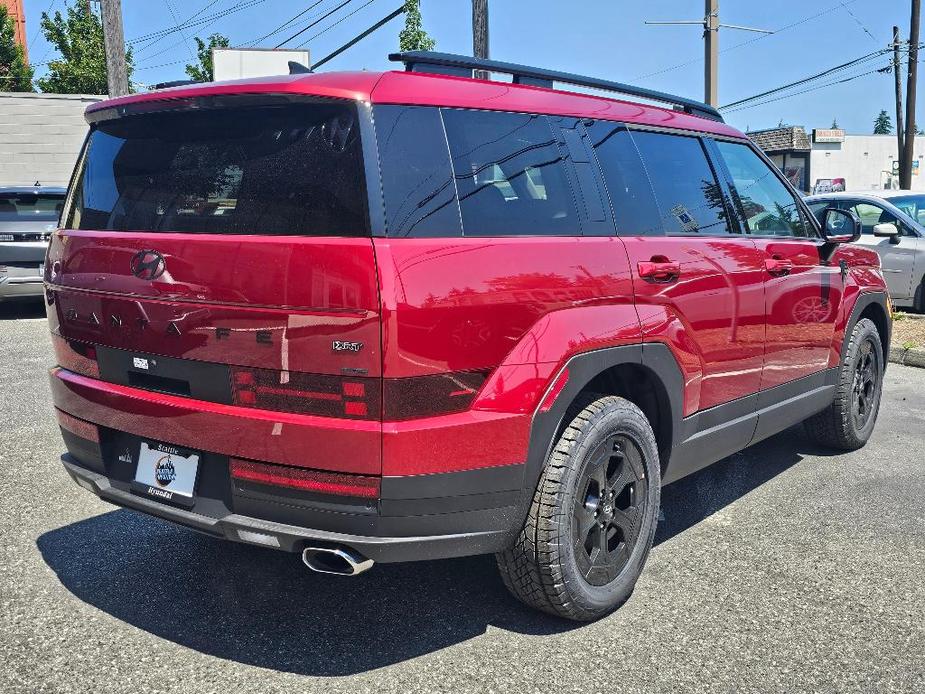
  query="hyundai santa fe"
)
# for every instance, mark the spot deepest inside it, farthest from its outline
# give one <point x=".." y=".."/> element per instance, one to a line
<point x="383" y="317"/>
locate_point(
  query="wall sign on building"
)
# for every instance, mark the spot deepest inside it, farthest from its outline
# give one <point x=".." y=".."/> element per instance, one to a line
<point x="828" y="135"/>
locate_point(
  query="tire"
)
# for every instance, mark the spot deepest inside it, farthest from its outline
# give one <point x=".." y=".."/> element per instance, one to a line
<point x="918" y="303"/>
<point x="849" y="421"/>
<point x="557" y="563"/>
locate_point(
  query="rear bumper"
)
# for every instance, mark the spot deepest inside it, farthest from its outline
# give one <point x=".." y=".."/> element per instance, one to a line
<point x="441" y="535"/>
<point x="19" y="283"/>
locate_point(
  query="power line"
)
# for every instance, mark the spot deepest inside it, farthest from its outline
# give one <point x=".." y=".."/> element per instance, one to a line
<point x="284" y="25"/>
<point x="811" y="78"/>
<point x="812" y="89"/>
<point x="193" y="16"/>
<point x="382" y="22"/>
<point x="204" y="20"/>
<point x="177" y="24"/>
<point x="346" y="16"/>
<point x="751" y="40"/>
<point x="303" y="30"/>
<point x="859" y="23"/>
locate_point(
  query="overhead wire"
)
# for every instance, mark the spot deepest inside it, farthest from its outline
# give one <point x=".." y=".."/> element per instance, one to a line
<point x="315" y="23"/>
<point x="345" y="17"/>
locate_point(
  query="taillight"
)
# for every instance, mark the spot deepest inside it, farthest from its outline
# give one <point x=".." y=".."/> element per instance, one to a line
<point x="428" y="396"/>
<point x="302" y="393"/>
<point x="75" y="356"/>
<point x="321" y="482"/>
<point x="78" y="427"/>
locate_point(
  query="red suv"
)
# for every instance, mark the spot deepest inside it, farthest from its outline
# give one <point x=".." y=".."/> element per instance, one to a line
<point x="410" y="315"/>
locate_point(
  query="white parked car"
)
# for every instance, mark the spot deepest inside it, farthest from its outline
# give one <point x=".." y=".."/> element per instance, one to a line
<point x="28" y="216"/>
<point x="893" y="224"/>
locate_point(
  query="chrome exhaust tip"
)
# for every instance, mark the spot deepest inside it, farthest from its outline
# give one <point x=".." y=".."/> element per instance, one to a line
<point x="341" y="561"/>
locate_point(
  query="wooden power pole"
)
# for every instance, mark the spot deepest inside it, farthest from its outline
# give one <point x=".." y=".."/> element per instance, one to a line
<point x="711" y="27"/>
<point x="905" y="176"/>
<point x="114" y="39"/>
<point x="898" y="83"/>
<point x="480" y="33"/>
<point x="711" y="52"/>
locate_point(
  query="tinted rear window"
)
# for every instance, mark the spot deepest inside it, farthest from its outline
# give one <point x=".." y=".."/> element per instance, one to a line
<point x="295" y="169"/>
<point x="30" y="207"/>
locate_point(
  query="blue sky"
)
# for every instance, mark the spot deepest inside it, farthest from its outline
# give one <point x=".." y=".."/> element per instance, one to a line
<point x="606" y="38"/>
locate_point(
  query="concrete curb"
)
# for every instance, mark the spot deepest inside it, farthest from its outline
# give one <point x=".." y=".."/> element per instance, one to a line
<point x="908" y="357"/>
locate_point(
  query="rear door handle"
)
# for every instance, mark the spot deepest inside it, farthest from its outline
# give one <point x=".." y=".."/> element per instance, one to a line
<point x="778" y="266"/>
<point x="658" y="269"/>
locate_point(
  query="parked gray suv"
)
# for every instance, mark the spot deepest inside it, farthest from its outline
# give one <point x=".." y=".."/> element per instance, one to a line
<point x="893" y="224"/>
<point x="28" y="215"/>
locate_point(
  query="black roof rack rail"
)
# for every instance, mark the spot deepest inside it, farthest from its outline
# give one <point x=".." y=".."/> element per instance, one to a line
<point x="463" y="65"/>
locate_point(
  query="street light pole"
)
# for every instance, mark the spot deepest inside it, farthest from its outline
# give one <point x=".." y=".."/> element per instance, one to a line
<point x="114" y="40"/>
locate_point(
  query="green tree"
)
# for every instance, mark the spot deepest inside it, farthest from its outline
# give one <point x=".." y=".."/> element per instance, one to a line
<point x="204" y="71"/>
<point x="78" y="38"/>
<point x="15" y="73"/>
<point x="834" y="125"/>
<point x="413" y="37"/>
<point x="883" y="125"/>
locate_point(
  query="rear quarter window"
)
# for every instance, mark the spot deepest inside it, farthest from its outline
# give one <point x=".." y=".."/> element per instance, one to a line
<point x="510" y="175"/>
<point x="294" y="169"/>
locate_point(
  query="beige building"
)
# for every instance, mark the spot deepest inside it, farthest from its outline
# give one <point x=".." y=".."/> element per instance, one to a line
<point x="41" y="136"/>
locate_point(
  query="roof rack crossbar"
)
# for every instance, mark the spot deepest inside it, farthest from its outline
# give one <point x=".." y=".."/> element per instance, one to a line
<point x="463" y="65"/>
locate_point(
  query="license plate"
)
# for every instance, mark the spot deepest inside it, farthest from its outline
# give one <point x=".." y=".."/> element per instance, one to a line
<point x="165" y="472"/>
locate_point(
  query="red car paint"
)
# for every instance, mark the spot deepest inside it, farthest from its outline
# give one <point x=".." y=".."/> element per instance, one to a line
<point x="515" y="308"/>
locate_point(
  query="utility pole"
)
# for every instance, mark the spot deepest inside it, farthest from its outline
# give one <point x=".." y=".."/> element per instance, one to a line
<point x="711" y="26"/>
<point x="905" y="176"/>
<point x="480" y="33"/>
<point x="711" y="52"/>
<point x="898" y="83"/>
<point x="114" y="39"/>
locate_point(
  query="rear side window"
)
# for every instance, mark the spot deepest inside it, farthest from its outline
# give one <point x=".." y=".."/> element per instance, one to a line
<point x="634" y="207"/>
<point x="767" y="205"/>
<point x="292" y="169"/>
<point x="690" y="200"/>
<point x="417" y="180"/>
<point x="510" y="175"/>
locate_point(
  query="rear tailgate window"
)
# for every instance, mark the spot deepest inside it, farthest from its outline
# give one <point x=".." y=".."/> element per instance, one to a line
<point x="293" y="169"/>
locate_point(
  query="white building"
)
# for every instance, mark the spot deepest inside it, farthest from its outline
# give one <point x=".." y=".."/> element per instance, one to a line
<point x="865" y="162"/>
<point x="41" y="136"/>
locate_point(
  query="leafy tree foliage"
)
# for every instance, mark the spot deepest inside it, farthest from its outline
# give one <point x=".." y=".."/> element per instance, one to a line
<point x="883" y="125"/>
<point x="78" y="38"/>
<point x="15" y="74"/>
<point x="204" y="71"/>
<point x="413" y="37"/>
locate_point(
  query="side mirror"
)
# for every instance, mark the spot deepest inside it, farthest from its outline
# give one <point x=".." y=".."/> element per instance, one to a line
<point x="840" y="226"/>
<point x="887" y="230"/>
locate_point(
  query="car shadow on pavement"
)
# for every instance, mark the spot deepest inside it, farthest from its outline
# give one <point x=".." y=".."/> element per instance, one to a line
<point x="14" y="310"/>
<point x="261" y="607"/>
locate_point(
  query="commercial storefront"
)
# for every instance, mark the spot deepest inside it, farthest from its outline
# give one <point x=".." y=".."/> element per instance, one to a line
<point x="831" y="159"/>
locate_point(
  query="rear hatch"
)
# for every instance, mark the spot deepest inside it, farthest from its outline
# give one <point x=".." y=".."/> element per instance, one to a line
<point x="224" y="254"/>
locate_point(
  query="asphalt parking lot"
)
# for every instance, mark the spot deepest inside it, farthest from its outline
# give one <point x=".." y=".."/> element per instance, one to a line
<point x="781" y="569"/>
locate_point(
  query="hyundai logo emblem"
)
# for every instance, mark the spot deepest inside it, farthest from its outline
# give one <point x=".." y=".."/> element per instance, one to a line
<point x="148" y="265"/>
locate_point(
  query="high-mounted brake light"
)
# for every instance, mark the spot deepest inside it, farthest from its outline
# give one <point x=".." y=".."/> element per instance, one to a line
<point x="336" y="483"/>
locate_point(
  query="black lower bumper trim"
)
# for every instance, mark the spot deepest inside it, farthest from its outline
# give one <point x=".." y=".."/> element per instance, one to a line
<point x="292" y="538"/>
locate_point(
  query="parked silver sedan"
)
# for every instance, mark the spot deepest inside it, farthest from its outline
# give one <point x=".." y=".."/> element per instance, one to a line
<point x="893" y="224"/>
<point x="28" y="215"/>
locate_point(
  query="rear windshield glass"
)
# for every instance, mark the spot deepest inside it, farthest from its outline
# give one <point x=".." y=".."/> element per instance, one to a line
<point x="30" y="206"/>
<point x="295" y="169"/>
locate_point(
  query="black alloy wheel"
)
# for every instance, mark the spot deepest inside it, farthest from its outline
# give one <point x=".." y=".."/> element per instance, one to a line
<point x="608" y="509"/>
